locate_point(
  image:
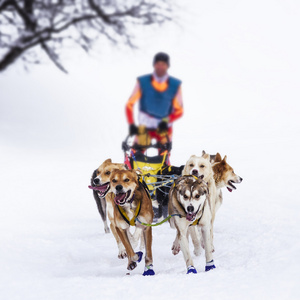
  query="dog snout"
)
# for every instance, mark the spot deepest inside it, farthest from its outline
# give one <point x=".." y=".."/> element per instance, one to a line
<point x="241" y="179"/>
<point x="195" y="172"/>
<point x="190" y="208"/>
<point x="119" y="188"/>
<point x="96" y="181"/>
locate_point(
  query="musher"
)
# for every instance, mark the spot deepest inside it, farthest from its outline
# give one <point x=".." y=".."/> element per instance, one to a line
<point x="160" y="102"/>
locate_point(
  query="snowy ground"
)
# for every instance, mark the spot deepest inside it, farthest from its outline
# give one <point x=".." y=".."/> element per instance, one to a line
<point x="240" y="68"/>
<point x="53" y="245"/>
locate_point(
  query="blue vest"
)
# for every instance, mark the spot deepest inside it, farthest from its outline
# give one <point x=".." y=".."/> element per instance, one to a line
<point x="154" y="103"/>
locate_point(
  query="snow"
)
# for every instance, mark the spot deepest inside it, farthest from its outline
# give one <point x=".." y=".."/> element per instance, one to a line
<point x="240" y="71"/>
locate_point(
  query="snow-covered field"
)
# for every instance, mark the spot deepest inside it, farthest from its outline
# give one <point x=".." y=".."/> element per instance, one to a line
<point x="240" y="71"/>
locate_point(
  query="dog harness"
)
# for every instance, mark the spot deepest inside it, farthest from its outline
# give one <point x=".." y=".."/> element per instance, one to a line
<point x="196" y="222"/>
<point x="125" y="217"/>
<point x="131" y="222"/>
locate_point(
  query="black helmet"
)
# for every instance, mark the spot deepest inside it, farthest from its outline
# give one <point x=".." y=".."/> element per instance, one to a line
<point x="161" y="56"/>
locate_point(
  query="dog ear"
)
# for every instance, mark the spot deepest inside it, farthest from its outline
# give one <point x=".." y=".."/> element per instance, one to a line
<point x="108" y="161"/>
<point x="203" y="152"/>
<point x="94" y="175"/>
<point x="179" y="180"/>
<point x="218" y="158"/>
<point x="135" y="173"/>
<point x="224" y="159"/>
<point x="206" y="156"/>
<point x="138" y="172"/>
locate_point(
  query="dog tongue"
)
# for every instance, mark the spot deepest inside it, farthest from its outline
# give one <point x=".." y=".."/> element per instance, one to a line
<point x="119" y="197"/>
<point x="230" y="190"/>
<point x="101" y="188"/>
<point x="190" y="217"/>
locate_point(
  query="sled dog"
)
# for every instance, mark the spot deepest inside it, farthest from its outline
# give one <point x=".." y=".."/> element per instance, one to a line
<point x="189" y="203"/>
<point x="104" y="200"/>
<point x="201" y="166"/>
<point x="224" y="176"/>
<point x="133" y="207"/>
<point x="101" y="182"/>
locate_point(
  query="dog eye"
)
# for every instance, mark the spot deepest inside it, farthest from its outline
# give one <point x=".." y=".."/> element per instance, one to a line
<point x="107" y="173"/>
<point x="202" y="166"/>
<point x="114" y="180"/>
<point x="197" y="196"/>
<point x="191" y="165"/>
<point x="185" y="196"/>
<point x="126" y="180"/>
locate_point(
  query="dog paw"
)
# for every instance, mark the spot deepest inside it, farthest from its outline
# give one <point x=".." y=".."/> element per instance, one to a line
<point x="149" y="271"/>
<point x="191" y="270"/>
<point x="106" y="229"/>
<point x="209" y="266"/>
<point x="132" y="266"/>
<point x="122" y="254"/>
<point x="197" y="251"/>
<point x="175" y="249"/>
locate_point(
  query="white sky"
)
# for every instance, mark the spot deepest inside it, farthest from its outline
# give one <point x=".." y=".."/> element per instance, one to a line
<point x="239" y="62"/>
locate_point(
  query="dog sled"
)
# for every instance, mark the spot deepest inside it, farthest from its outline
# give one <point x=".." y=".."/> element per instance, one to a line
<point x="155" y="170"/>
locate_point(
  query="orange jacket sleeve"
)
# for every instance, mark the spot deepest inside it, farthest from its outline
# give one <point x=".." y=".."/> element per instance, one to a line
<point x="135" y="96"/>
<point x="177" y="107"/>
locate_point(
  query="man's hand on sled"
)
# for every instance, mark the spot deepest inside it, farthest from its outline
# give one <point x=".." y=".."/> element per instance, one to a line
<point x="162" y="127"/>
<point x="133" y="129"/>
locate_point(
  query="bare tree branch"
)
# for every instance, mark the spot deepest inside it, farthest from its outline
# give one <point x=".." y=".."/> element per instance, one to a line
<point x="53" y="56"/>
<point x="26" y="24"/>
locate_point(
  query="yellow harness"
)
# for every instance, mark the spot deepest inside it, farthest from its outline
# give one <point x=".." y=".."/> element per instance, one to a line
<point x="125" y="217"/>
<point x="196" y="221"/>
<point x="138" y="209"/>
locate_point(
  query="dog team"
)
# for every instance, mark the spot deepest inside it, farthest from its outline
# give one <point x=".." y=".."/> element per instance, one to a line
<point x="193" y="202"/>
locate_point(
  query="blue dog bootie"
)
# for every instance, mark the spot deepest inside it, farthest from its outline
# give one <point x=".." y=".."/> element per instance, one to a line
<point x="140" y="255"/>
<point x="210" y="265"/>
<point x="191" y="270"/>
<point x="149" y="271"/>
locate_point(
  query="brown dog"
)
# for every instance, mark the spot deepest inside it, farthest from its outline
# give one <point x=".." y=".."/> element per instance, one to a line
<point x="104" y="198"/>
<point x="224" y="176"/>
<point x="100" y="184"/>
<point x="132" y="207"/>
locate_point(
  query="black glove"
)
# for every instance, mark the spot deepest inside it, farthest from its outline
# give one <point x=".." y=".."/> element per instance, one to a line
<point x="162" y="126"/>
<point x="133" y="129"/>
